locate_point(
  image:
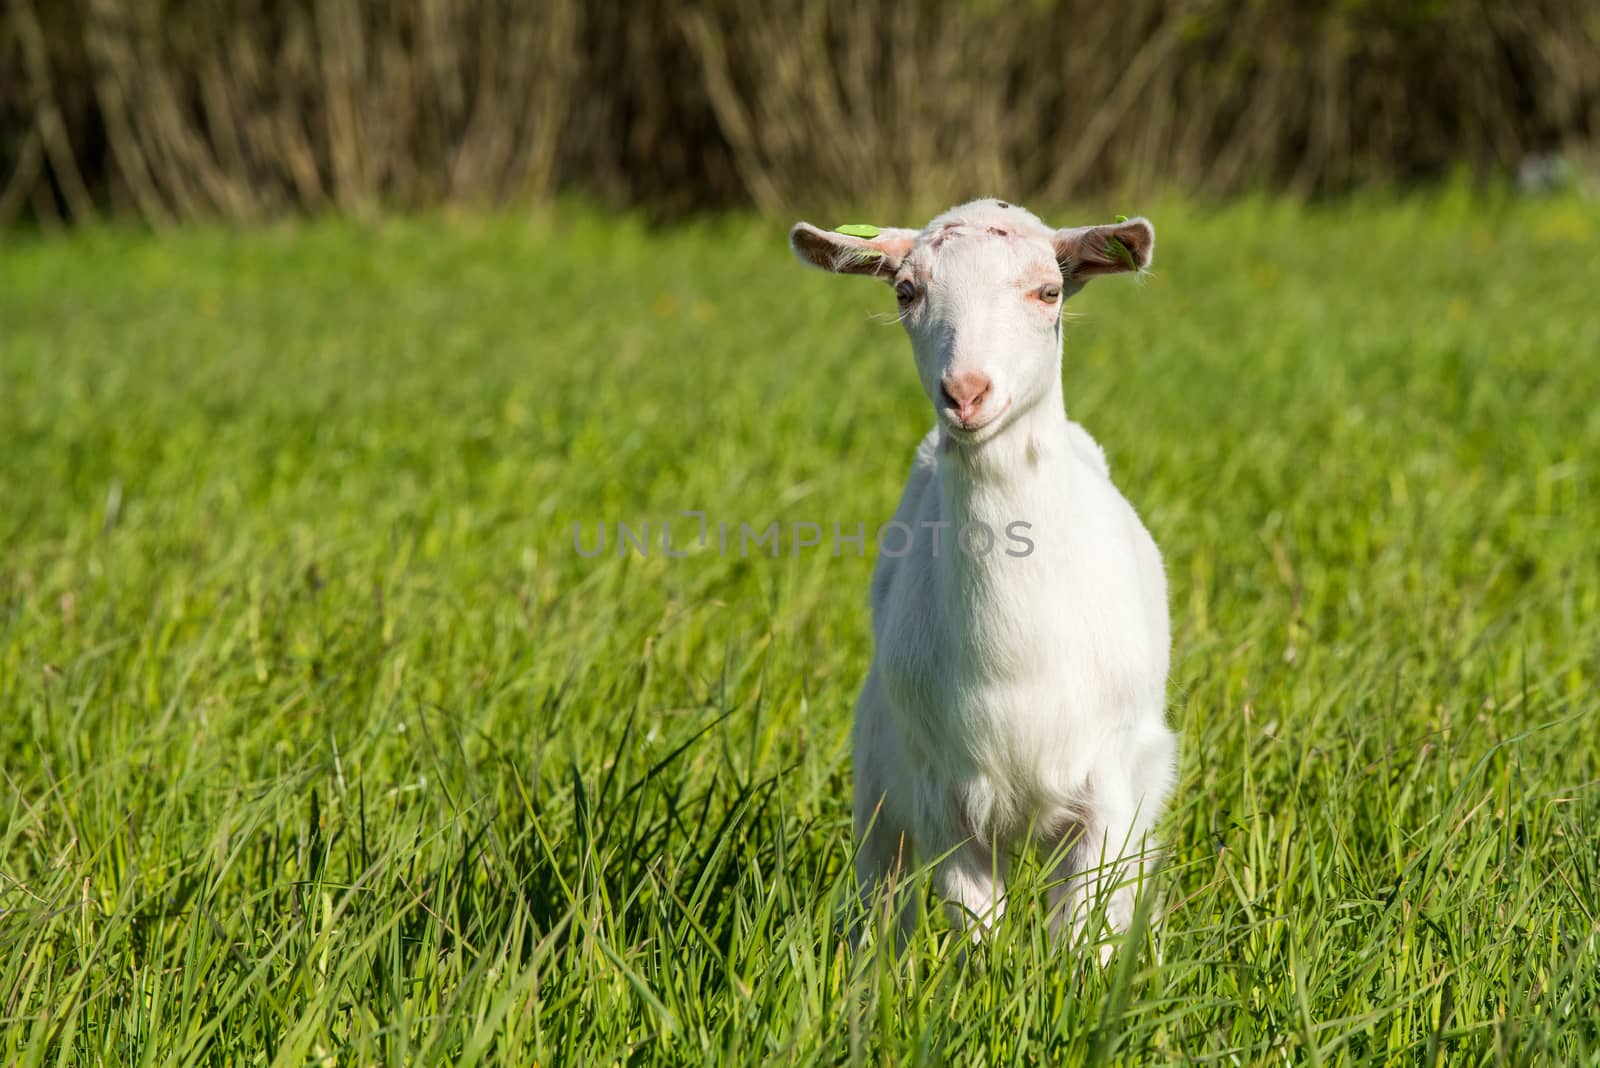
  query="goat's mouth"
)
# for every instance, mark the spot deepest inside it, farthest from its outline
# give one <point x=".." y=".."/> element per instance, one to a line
<point x="971" y="430"/>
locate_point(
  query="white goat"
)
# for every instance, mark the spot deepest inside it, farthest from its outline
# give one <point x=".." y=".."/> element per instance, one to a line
<point x="1016" y="695"/>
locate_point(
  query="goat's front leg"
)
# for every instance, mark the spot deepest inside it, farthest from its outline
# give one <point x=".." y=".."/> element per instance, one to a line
<point x="883" y="840"/>
<point x="1102" y="871"/>
<point x="968" y="874"/>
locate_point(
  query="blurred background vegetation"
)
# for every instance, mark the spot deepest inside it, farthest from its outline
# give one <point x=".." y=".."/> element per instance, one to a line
<point x="174" y="109"/>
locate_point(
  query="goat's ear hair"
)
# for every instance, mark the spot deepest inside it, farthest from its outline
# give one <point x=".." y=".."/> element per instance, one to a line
<point x="1086" y="252"/>
<point x="878" y="253"/>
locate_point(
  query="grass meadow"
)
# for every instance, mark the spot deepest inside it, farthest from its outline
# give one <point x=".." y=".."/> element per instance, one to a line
<point x="322" y="745"/>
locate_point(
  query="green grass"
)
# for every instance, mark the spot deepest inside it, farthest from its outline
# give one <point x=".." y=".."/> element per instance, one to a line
<point x="320" y="744"/>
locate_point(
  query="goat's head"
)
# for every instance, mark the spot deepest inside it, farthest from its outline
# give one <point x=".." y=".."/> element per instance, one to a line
<point x="980" y="290"/>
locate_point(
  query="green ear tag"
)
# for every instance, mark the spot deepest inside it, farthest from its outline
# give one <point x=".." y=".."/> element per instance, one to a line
<point x="1122" y="218"/>
<point x="1122" y="253"/>
<point x="856" y="230"/>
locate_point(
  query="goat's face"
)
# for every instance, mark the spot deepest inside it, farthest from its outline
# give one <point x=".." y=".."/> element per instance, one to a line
<point x="980" y="291"/>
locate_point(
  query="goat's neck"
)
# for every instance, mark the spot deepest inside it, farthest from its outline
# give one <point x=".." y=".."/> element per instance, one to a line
<point x="1021" y="474"/>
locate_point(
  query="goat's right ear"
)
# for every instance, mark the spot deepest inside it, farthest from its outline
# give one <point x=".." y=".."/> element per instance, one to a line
<point x="879" y="255"/>
<point x="1086" y="252"/>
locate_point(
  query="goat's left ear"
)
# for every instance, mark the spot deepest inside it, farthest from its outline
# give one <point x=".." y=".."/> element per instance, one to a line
<point x="864" y="250"/>
<point x="1085" y="252"/>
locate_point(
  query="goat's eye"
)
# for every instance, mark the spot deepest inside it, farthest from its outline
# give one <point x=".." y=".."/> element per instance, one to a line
<point x="1049" y="294"/>
<point x="905" y="290"/>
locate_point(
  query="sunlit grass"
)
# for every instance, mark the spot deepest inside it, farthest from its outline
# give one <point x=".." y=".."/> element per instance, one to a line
<point x="321" y="744"/>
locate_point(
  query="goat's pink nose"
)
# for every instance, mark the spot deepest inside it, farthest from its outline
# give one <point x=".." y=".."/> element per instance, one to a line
<point x="965" y="393"/>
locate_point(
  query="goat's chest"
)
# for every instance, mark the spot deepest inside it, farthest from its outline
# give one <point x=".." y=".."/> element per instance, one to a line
<point x="1015" y="662"/>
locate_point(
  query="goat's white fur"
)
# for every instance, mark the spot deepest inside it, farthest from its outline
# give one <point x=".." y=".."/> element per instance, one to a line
<point x="1012" y="700"/>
